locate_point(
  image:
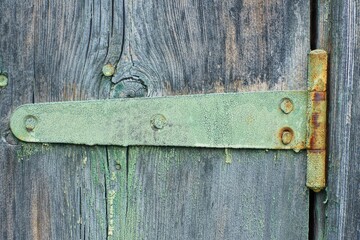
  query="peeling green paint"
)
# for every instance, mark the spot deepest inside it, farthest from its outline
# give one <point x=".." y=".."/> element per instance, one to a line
<point x="29" y="149"/>
<point x="228" y="156"/>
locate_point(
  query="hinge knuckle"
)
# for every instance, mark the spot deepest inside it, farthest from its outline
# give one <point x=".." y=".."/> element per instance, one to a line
<point x="317" y="104"/>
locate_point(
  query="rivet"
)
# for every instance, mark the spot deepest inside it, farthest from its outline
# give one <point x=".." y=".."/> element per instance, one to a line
<point x="286" y="105"/>
<point x="108" y="70"/>
<point x="286" y="137"/>
<point x="158" y="121"/>
<point x="118" y="166"/>
<point x="3" y="80"/>
<point x="30" y="123"/>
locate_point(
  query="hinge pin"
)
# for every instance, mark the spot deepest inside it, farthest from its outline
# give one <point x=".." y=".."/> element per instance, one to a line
<point x="316" y="139"/>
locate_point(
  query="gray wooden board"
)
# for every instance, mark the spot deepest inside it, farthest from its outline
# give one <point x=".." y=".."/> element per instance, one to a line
<point x="53" y="192"/>
<point x="55" y="51"/>
<point x="342" y="203"/>
<point x="212" y="46"/>
<point x="181" y="193"/>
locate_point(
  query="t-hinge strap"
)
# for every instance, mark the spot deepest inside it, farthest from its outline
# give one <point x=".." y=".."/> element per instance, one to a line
<point x="262" y="120"/>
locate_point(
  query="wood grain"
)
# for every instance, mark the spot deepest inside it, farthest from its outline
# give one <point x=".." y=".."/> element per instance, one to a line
<point x="54" y="51"/>
<point x="182" y="193"/>
<point x="191" y="47"/>
<point x="215" y="46"/>
<point x="343" y="206"/>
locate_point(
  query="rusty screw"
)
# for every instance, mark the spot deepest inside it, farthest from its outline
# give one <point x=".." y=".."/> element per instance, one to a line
<point x="108" y="70"/>
<point x="30" y="123"/>
<point x="286" y="106"/>
<point x="158" y="121"/>
<point x="3" y="80"/>
<point x="286" y="137"/>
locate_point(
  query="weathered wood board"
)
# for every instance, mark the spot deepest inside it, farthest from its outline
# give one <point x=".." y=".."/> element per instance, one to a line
<point x="343" y="192"/>
<point x="211" y="46"/>
<point x="54" y="51"/>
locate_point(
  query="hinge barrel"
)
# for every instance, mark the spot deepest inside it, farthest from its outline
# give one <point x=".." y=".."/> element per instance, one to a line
<point x="316" y="139"/>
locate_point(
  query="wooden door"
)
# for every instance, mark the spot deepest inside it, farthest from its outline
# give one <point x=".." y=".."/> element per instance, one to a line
<point x="55" y="51"/>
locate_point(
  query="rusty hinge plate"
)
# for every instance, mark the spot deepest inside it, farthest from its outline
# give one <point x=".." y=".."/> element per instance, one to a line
<point x="268" y="120"/>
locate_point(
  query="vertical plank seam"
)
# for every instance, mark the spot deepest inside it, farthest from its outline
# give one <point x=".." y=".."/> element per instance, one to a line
<point x="127" y="188"/>
<point x="106" y="174"/>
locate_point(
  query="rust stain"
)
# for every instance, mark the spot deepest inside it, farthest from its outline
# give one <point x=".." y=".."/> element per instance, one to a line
<point x="314" y="120"/>
<point x="319" y="96"/>
<point x="317" y="121"/>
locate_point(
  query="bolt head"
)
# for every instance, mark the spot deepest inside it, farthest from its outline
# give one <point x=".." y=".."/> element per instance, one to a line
<point x="30" y="123"/>
<point x="3" y="80"/>
<point x="118" y="166"/>
<point x="286" y="105"/>
<point x="287" y="137"/>
<point x="158" y="122"/>
<point x="108" y="70"/>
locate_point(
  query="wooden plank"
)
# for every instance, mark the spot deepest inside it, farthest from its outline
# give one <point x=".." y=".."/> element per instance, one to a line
<point x="343" y="206"/>
<point x="54" y="51"/>
<point x="53" y="192"/>
<point x="216" y="46"/>
<point x="202" y="47"/>
<point x="182" y="193"/>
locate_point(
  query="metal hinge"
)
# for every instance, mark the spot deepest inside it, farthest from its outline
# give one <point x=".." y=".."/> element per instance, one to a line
<point x="262" y="120"/>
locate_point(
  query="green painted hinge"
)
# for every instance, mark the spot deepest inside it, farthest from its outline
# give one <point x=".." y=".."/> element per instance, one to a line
<point x="263" y="120"/>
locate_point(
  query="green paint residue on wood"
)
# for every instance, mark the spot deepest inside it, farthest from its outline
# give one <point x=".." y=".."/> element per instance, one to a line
<point x="116" y="187"/>
<point x="29" y="149"/>
<point x="131" y="214"/>
<point x="111" y="197"/>
<point x="228" y="156"/>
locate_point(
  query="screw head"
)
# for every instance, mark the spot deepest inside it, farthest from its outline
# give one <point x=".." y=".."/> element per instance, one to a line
<point x="3" y="80"/>
<point x="118" y="166"/>
<point x="158" y="121"/>
<point x="287" y="137"/>
<point x="108" y="70"/>
<point x="30" y="123"/>
<point x="286" y="105"/>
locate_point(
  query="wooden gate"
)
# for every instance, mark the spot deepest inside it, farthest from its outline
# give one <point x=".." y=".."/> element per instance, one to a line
<point x="56" y="51"/>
